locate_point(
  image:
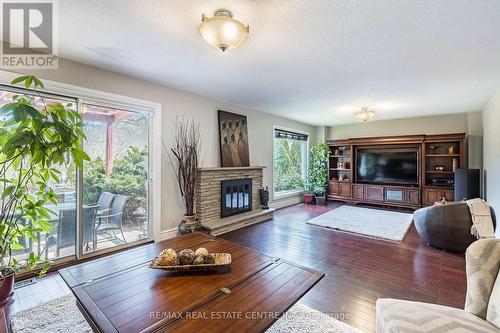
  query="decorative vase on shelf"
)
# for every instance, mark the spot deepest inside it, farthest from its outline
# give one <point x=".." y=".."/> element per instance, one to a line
<point x="455" y="164"/>
<point x="451" y="150"/>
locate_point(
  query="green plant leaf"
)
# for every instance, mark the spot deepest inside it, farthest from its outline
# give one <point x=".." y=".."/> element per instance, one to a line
<point x="28" y="81"/>
<point x="38" y="83"/>
<point x="8" y="191"/>
<point x="19" y="79"/>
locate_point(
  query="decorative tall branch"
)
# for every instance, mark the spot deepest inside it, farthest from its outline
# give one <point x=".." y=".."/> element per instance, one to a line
<point x="185" y="159"/>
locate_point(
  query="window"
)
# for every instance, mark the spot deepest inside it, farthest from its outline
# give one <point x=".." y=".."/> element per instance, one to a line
<point x="290" y="160"/>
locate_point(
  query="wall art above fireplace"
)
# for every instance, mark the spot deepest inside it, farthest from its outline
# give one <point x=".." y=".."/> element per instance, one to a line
<point x="233" y="134"/>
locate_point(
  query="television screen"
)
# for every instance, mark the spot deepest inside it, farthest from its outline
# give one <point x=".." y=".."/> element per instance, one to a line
<point x="388" y="166"/>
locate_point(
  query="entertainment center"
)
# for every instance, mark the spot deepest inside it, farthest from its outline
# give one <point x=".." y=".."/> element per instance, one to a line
<point x="402" y="171"/>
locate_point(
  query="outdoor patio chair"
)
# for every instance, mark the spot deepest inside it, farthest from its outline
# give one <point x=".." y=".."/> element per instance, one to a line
<point x="66" y="228"/>
<point x="114" y="221"/>
<point x="89" y="225"/>
<point x="105" y="201"/>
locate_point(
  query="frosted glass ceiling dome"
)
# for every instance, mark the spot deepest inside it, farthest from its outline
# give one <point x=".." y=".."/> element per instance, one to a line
<point x="222" y="31"/>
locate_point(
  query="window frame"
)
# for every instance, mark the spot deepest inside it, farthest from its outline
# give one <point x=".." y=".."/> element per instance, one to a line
<point x="305" y="165"/>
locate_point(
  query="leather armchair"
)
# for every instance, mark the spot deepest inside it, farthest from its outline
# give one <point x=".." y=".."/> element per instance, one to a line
<point x="446" y="226"/>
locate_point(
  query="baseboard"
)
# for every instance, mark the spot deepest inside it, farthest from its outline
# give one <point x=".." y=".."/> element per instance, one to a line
<point x="166" y="234"/>
<point x="282" y="203"/>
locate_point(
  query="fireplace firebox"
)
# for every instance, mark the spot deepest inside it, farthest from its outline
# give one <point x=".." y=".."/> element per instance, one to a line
<point x="236" y="196"/>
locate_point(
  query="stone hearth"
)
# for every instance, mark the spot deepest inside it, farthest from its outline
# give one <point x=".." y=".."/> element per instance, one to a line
<point x="208" y="200"/>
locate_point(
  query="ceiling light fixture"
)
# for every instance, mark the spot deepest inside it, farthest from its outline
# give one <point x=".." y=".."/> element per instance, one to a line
<point x="364" y="114"/>
<point x="222" y="31"/>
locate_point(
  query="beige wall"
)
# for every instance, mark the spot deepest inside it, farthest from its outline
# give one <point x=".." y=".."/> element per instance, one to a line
<point x="178" y="103"/>
<point x="491" y="152"/>
<point x="455" y="123"/>
<point x="469" y="123"/>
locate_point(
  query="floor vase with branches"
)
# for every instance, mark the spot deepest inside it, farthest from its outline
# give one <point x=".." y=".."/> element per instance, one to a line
<point x="185" y="161"/>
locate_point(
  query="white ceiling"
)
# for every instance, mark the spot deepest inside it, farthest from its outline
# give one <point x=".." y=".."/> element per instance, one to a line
<point x="312" y="61"/>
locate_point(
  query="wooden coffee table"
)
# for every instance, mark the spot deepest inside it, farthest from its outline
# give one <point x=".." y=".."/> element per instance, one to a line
<point x="120" y="293"/>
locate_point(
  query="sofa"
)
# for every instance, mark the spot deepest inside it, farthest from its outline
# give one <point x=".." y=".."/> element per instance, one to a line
<point x="482" y="306"/>
<point x="446" y="226"/>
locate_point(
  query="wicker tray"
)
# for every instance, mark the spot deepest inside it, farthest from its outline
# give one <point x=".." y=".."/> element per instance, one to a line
<point x="222" y="260"/>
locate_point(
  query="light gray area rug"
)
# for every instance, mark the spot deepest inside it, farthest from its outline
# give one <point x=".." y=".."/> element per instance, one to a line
<point x="375" y="223"/>
<point x="301" y="318"/>
<point x="61" y="315"/>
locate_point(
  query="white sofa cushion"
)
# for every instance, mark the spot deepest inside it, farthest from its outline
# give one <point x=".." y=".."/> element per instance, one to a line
<point x="483" y="264"/>
<point x="396" y="316"/>
<point x="493" y="314"/>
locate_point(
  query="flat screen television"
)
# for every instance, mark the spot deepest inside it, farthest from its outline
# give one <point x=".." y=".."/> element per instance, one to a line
<point x="387" y="166"/>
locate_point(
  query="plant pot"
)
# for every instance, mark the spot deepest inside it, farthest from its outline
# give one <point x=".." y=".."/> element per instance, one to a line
<point x="187" y="225"/>
<point x="190" y="220"/>
<point x="320" y="200"/>
<point x="308" y="199"/>
<point x="6" y="288"/>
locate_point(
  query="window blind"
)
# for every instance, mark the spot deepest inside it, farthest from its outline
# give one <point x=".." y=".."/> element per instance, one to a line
<point x="283" y="134"/>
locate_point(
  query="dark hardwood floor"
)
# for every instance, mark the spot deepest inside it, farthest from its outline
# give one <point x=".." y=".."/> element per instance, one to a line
<point x="359" y="270"/>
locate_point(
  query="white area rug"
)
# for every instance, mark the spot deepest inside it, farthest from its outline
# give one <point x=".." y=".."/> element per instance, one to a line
<point x="365" y="221"/>
<point x="61" y="315"/>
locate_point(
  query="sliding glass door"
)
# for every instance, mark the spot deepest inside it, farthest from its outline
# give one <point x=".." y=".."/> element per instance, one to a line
<point x="106" y="204"/>
<point x="115" y="181"/>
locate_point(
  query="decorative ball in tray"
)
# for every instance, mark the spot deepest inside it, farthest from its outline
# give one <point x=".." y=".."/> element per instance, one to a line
<point x="188" y="260"/>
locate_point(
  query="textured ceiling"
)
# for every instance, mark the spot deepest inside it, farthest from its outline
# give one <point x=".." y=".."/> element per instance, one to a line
<point x="312" y="61"/>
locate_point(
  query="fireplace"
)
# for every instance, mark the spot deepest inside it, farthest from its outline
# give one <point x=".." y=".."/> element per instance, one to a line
<point x="218" y="201"/>
<point x="236" y="196"/>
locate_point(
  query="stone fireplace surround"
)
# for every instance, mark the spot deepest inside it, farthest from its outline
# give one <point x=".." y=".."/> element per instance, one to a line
<point x="208" y="199"/>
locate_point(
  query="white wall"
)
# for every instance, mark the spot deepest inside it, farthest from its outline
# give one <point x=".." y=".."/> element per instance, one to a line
<point x="491" y="153"/>
<point x="179" y="103"/>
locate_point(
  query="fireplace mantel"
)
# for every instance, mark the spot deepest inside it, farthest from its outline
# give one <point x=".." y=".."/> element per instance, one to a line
<point x="232" y="168"/>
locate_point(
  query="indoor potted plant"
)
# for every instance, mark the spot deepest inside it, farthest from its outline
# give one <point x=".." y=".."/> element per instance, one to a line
<point x="308" y="187"/>
<point x="35" y="139"/>
<point x="318" y="169"/>
<point x="185" y="164"/>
